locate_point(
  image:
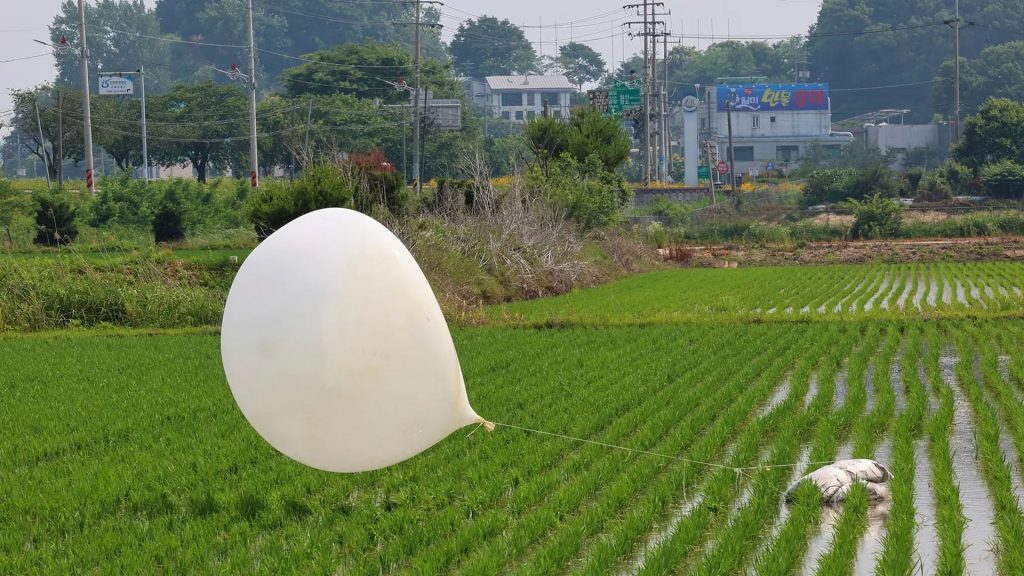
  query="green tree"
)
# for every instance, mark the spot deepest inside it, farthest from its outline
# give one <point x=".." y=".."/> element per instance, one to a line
<point x="490" y="47"/>
<point x="60" y="116"/>
<point x="122" y="35"/>
<point x="1004" y="179"/>
<point x="580" y="63"/>
<point x="994" y="134"/>
<point x="364" y="70"/>
<point x="591" y="133"/>
<point x="199" y="124"/>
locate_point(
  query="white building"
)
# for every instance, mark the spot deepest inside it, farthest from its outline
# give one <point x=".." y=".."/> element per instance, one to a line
<point x="771" y="123"/>
<point x="519" y="98"/>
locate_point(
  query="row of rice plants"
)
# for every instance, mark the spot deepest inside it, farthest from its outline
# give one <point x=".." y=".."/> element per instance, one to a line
<point x="542" y="475"/>
<point x="534" y="499"/>
<point x="868" y="431"/>
<point x="734" y="545"/>
<point x="132" y="414"/>
<point x="898" y="543"/>
<point x="879" y="291"/>
<point x="625" y="534"/>
<point x="1009" y="518"/>
<point x="949" y="514"/>
<point x="790" y="546"/>
<point x="786" y="545"/>
<point x="588" y="520"/>
<point x="717" y="496"/>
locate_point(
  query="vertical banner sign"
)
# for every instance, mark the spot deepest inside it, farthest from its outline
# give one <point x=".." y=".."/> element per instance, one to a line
<point x="773" y="97"/>
<point x="117" y="83"/>
<point x="599" y="100"/>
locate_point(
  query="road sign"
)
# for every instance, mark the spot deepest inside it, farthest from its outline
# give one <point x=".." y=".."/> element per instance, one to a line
<point x="754" y="172"/>
<point x="622" y="98"/>
<point x="598" y="100"/>
<point x="116" y="83"/>
<point x="723" y="167"/>
<point x="703" y="173"/>
<point x="770" y="166"/>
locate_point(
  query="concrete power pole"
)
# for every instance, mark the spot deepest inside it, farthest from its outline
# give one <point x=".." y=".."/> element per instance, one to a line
<point x="646" y="9"/>
<point x="416" y="109"/>
<point x="254" y="174"/>
<point x="86" y="110"/>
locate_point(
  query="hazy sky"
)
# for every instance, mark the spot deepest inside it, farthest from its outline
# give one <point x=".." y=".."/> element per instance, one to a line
<point x="597" y="23"/>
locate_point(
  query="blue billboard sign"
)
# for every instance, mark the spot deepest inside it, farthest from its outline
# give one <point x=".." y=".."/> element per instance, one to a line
<point x="773" y="97"/>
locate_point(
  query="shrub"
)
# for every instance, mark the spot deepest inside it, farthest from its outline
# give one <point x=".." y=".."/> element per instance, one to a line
<point x="910" y="182"/>
<point x="875" y="180"/>
<point x="825" y="186"/>
<point x="276" y="203"/>
<point x="934" y="188"/>
<point x="876" y="217"/>
<point x="169" y="219"/>
<point x="1004" y="179"/>
<point x="957" y="176"/>
<point x="55" y="220"/>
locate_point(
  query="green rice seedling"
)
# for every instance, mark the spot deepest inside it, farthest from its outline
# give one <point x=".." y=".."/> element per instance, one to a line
<point x="848" y="529"/>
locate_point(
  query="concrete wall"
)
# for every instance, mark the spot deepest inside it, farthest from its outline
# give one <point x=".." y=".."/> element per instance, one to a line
<point x="903" y="136"/>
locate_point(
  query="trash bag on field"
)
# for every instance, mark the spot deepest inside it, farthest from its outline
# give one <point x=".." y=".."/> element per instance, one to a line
<point x="836" y="480"/>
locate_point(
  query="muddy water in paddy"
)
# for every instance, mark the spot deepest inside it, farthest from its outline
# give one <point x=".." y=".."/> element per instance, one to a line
<point x="812" y="390"/>
<point x="961" y="295"/>
<point x="908" y="285"/>
<point x="870" y="545"/>
<point x="821" y="541"/>
<point x="799" y="470"/>
<point x="947" y="291"/>
<point x="980" y="534"/>
<point x="778" y="398"/>
<point x="933" y="292"/>
<point x="870" y="304"/>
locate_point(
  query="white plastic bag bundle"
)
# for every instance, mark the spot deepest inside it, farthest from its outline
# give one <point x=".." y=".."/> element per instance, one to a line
<point x="835" y="480"/>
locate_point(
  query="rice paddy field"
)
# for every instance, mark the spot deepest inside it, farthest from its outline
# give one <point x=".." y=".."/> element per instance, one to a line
<point x="124" y="452"/>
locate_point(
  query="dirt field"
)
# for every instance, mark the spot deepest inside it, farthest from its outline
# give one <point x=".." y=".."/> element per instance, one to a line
<point x="850" y="252"/>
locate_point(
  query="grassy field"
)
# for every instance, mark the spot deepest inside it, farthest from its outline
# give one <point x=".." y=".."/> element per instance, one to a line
<point x="124" y="452"/>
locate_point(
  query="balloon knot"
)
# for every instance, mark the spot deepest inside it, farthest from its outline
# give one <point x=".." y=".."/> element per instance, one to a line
<point x="489" y="426"/>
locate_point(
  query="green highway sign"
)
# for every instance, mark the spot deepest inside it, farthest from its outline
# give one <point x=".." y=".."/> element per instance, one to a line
<point x="622" y="98"/>
<point x="703" y="172"/>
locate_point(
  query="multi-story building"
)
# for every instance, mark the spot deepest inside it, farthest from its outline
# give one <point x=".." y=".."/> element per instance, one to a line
<point x="771" y="123"/>
<point x="519" y="98"/>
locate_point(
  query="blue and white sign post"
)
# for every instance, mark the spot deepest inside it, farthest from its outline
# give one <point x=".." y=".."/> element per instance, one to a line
<point x="123" y="84"/>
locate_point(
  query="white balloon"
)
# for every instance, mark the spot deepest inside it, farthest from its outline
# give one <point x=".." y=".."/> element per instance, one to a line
<point x="336" y="349"/>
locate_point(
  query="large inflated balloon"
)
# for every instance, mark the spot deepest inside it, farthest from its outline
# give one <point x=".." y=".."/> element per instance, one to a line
<point x="335" y="347"/>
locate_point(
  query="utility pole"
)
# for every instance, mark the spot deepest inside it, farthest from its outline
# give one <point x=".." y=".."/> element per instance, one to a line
<point x="60" y="138"/>
<point x="956" y="81"/>
<point x="416" y="114"/>
<point x="666" y="154"/>
<point x="647" y="10"/>
<point x="416" y="111"/>
<point x="956" y="23"/>
<point x="732" y="151"/>
<point x="145" y="145"/>
<point x="86" y="110"/>
<point x="254" y="162"/>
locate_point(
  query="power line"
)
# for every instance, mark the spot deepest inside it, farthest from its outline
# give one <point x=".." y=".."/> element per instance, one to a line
<point x="26" y="58"/>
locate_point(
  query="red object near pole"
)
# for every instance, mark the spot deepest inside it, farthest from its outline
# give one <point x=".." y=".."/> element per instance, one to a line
<point x="88" y="179"/>
<point x="253" y="179"/>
